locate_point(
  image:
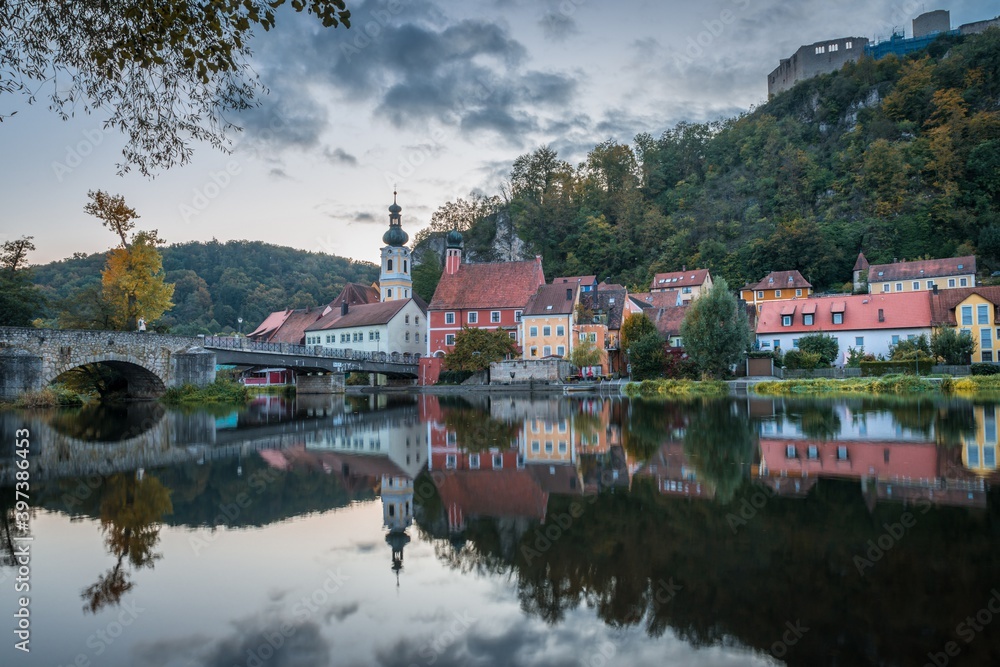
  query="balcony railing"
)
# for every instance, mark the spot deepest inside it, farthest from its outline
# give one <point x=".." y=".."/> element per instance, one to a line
<point x="245" y="345"/>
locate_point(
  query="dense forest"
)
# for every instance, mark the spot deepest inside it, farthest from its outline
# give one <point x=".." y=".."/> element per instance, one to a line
<point x="898" y="157"/>
<point x="214" y="284"/>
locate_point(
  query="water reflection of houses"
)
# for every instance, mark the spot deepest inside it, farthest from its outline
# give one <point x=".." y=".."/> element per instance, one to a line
<point x="674" y="474"/>
<point x="800" y="444"/>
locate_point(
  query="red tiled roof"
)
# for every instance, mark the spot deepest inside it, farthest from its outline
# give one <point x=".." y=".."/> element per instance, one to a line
<point x="580" y="280"/>
<point x="663" y="299"/>
<point x="551" y="300"/>
<point x="809" y="308"/>
<point x="609" y="302"/>
<point x="928" y="268"/>
<point x="788" y="309"/>
<point x="903" y="310"/>
<point x="355" y="294"/>
<point x="862" y="263"/>
<point x="270" y="324"/>
<point x="943" y="303"/>
<point x="290" y="329"/>
<point x="782" y="280"/>
<point x="493" y="493"/>
<point x="366" y="314"/>
<point x="668" y="320"/>
<point x="496" y="285"/>
<point x="676" y="279"/>
<point x="611" y="286"/>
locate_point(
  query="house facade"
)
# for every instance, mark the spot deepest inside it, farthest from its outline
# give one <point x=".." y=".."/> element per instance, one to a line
<point x="600" y="322"/>
<point x="690" y="284"/>
<point x="396" y="326"/>
<point x="972" y="311"/>
<point x="546" y="327"/>
<point x="869" y="322"/>
<point x="923" y="275"/>
<point x="777" y="286"/>
<point x="484" y="296"/>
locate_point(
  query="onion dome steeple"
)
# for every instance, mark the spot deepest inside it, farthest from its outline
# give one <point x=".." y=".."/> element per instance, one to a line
<point x="395" y="236"/>
<point x="454" y="239"/>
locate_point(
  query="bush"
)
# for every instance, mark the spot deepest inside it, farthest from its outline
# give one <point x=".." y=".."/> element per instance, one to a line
<point x="679" y="366"/>
<point x="877" y="368"/>
<point x="825" y="346"/>
<point x="800" y="360"/>
<point x="454" y="377"/>
<point x="220" y="391"/>
<point x="984" y="369"/>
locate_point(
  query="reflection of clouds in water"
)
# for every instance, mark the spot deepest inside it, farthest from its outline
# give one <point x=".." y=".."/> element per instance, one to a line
<point x="578" y="641"/>
<point x="340" y="612"/>
<point x="262" y="639"/>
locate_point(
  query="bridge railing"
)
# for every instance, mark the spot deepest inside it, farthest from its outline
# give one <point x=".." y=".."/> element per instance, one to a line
<point x="244" y="345"/>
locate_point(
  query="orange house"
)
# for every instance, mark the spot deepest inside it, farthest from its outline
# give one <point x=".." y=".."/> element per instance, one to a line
<point x="777" y="286"/>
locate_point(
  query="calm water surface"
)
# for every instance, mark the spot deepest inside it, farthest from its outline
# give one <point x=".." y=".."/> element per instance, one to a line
<point x="505" y="530"/>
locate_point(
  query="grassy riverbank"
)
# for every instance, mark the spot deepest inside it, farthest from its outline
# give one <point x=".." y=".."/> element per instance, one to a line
<point x="887" y="384"/>
<point x="220" y="391"/>
<point x="50" y="397"/>
<point x="676" y="389"/>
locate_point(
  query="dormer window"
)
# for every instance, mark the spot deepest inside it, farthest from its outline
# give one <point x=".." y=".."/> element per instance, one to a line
<point x="786" y="320"/>
<point x="838" y="318"/>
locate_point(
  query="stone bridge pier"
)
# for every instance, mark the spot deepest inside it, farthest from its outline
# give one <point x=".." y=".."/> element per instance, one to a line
<point x="30" y="359"/>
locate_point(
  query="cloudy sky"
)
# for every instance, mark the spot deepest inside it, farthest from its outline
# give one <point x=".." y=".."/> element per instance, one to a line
<point x="436" y="97"/>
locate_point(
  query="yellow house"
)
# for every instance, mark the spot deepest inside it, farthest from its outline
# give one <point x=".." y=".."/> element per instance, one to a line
<point x="547" y="322"/>
<point x="777" y="286"/>
<point x="923" y="275"/>
<point x="979" y="451"/>
<point x="971" y="310"/>
<point x="549" y="441"/>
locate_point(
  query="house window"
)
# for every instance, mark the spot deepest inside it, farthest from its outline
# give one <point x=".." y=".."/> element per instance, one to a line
<point x="378" y="335"/>
<point x="972" y="453"/>
<point x="562" y="446"/>
<point x="473" y="317"/>
<point x="986" y="340"/>
<point x="536" y="446"/>
<point x="820" y="49"/>
<point x="449" y="318"/>
<point x="546" y="331"/>
<point x="838" y="318"/>
<point x="407" y="337"/>
<point x="951" y="282"/>
<point x="807" y="319"/>
<point x="786" y="320"/>
<point x="388" y="265"/>
<point x="813" y="452"/>
<point x="416" y="319"/>
<point x="916" y="285"/>
<point x="930" y="284"/>
<point x="982" y="314"/>
<point x="765" y="343"/>
<point x="371" y="335"/>
<point x="895" y="339"/>
<point x="533" y="331"/>
<point x="841" y="453"/>
<point x="777" y="294"/>
<point x="592" y="337"/>
<point x="760" y="294"/>
<point x="406" y="266"/>
<point x="859" y="340"/>
<point x="495" y="316"/>
<point x="795" y="342"/>
<point x="885" y="287"/>
<point x="497" y="461"/>
<point x="989" y="457"/>
<point x="848" y="45"/>
<point x="517" y="315"/>
<point x="512" y="334"/>
<point x="560" y="330"/>
<point x="450" y="460"/>
<point x="966" y="315"/>
<point x="798" y="292"/>
<point x="388" y="293"/>
<point x="534" y="351"/>
<point x="686" y="290"/>
<point x="963" y="282"/>
<point x="777" y="343"/>
<point x="548" y="446"/>
<point x="449" y="339"/>
<point x="560" y="351"/>
<point x="407" y="319"/>
<point x="547" y="351"/>
<point x="789" y="451"/>
<point x="899" y="287"/>
<point x="834" y="47"/>
<point x="474" y="461"/>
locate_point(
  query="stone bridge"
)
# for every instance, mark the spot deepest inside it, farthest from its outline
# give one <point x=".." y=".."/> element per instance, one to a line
<point x="30" y="359"/>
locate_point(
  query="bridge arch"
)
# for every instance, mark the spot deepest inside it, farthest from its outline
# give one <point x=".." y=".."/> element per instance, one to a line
<point x="142" y="381"/>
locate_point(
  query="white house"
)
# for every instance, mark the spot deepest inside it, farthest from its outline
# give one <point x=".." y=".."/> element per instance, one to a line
<point x="390" y="326"/>
<point x="871" y="322"/>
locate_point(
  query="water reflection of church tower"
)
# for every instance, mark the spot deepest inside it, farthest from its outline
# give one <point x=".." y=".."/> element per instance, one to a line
<point x="397" y="515"/>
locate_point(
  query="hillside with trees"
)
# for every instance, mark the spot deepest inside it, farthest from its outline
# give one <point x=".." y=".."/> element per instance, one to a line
<point x="214" y="284"/>
<point x="898" y="157"/>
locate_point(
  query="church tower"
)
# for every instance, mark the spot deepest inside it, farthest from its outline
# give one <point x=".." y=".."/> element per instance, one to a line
<point x="395" y="281"/>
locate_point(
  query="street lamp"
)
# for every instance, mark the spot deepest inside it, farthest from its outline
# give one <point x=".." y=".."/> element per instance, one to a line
<point x="239" y="320"/>
<point x="512" y="377"/>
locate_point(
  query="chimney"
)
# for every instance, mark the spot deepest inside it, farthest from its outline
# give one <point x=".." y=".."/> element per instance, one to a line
<point x="881" y="315"/>
<point x="934" y="288"/>
<point x="569" y="294"/>
<point x="343" y="307"/>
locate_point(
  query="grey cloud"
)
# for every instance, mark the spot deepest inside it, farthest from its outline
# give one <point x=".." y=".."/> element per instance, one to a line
<point x="340" y="612"/>
<point x="286" y="118"/>
<point x="340" y="156"/>
<point x="364" y="217"/>
<point x="558" y="25"/>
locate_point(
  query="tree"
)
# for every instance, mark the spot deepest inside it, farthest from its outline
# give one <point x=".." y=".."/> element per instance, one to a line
<point x="20" y="299"/>
<point x="585" y="354"/>
<point x="133" y="283"/>
<point x="113" y="213"/>
<point x="647" y="357"/>
<point x="635" y="327"/>
<point x="715" y="330"/>
<point x="476" y="349"/>
<point x="426" y="275"/>
<point x="906" y="350"/>
<point x="822" y="344"/>
<point x="951" y="346"/>
<point x="166" y="71"/>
